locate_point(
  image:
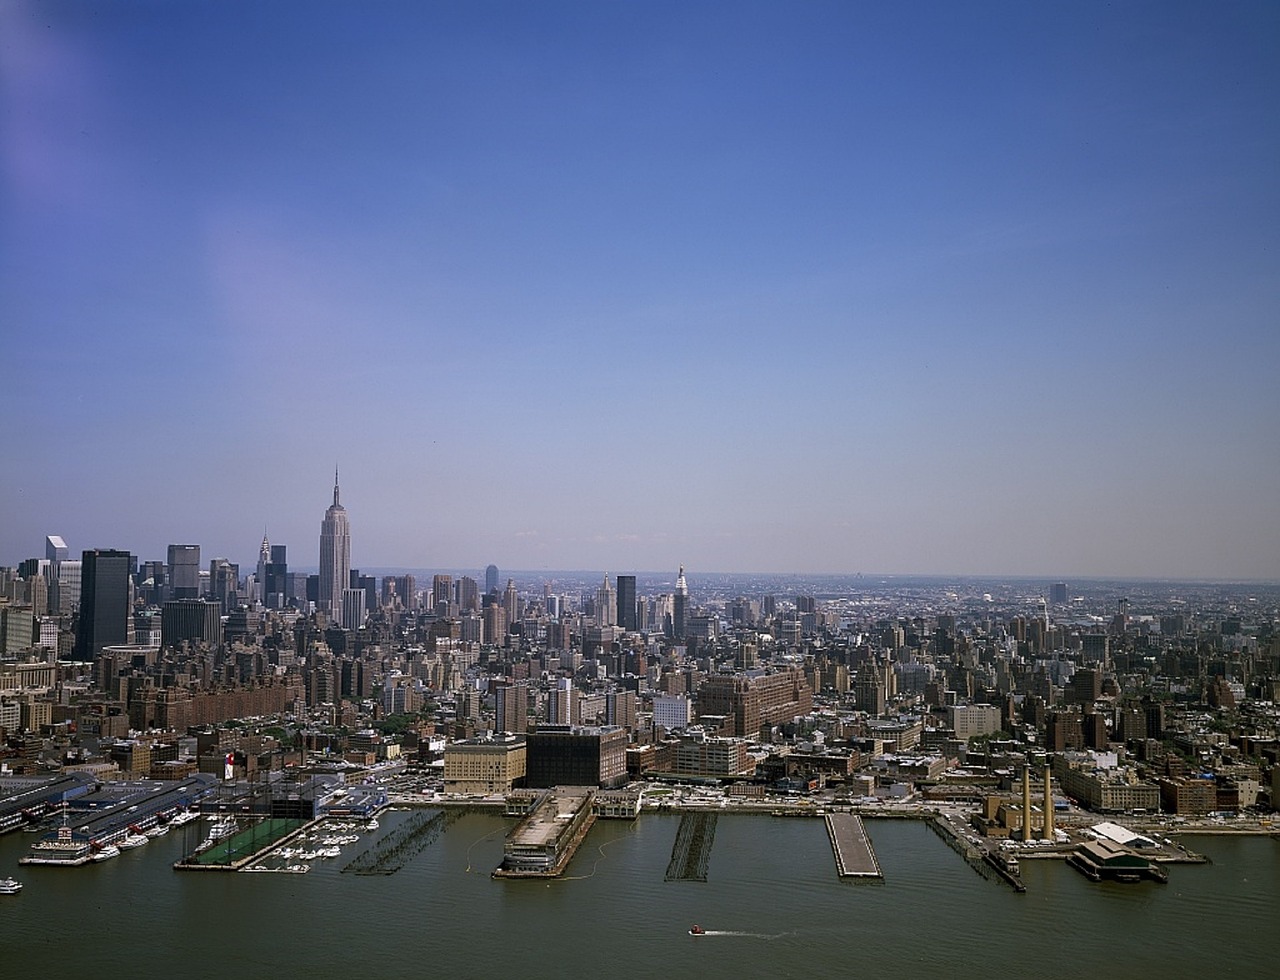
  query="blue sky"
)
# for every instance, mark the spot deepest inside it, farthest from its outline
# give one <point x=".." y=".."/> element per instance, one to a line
<point x="957" y="288"/>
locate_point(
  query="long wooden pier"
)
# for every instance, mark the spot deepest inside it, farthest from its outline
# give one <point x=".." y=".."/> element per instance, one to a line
<point x="852" y="847"/>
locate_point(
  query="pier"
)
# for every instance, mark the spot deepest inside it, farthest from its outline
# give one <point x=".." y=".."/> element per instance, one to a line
<point x="852" y="847"/>
<point x="691" y="852"/>
<point x="543" y="842"/>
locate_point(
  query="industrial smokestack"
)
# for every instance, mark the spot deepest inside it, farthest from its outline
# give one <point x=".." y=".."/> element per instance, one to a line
<point x="1048" y="805"/>
<point x="1026" y="803"/>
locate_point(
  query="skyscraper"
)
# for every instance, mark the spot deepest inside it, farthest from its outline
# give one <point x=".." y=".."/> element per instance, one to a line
<point x="351" y="614"/>
<point x="606" y="604"/>
<point x="680" y="607"/>
<point x="491" y="579"/>
<point x="335" y="554"/>
<point x="55" y="550"/>
<point x="441" y="594"/>
<point x="184" y="571"/>
<point x="511" y="706"/>
<point x="275" y="576"/>
<point x="468" y="594"/>
<point x="260" y="576"/>
<point x="224" y="583"/>
<point x="627" y="603"/>
<point x="104" y="602"/>
<point x="511" y="602"/>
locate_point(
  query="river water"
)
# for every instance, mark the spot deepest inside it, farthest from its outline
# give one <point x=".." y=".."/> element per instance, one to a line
<point x="772" y="904"/>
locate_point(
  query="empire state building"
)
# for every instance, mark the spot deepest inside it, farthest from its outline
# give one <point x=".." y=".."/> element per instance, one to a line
<point x="335" y="555"/>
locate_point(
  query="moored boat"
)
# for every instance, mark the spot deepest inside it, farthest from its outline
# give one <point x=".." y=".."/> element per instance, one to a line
<point x="63" y="847"/>
<point x="105" y="852"/>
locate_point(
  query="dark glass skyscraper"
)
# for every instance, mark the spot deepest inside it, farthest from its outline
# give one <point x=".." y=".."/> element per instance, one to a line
<point x="491" y="579"/>
<point x="627" y="603"/>
<point x="184" y="571"/>
<point x="104" y="602"/>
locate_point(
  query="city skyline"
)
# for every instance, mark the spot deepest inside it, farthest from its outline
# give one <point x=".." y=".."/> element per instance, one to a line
<point x="826" y="288"/>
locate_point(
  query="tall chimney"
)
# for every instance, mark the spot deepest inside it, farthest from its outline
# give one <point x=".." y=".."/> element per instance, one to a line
<point x="1026" y="803"/>
<point x="1048" y="804"/>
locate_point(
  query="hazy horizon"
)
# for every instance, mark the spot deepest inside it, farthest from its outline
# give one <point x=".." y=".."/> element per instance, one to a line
<point x="830" y="287"/>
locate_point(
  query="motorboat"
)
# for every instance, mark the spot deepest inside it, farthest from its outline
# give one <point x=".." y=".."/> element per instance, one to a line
<point x="10" y="886"/>
<point x="105" y="853"/>
<point x="135" y="838"/>
<point x="697" y="930"/>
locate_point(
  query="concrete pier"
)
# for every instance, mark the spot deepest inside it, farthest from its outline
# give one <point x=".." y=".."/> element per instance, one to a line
<point x="851" y="846"/>
<point x="546" y="838"/>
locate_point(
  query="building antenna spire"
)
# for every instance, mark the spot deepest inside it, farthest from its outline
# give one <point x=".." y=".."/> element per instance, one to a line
<point x="335" y="484"/>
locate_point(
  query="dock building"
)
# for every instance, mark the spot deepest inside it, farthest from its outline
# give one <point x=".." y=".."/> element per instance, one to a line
<point x="544" y="840"/>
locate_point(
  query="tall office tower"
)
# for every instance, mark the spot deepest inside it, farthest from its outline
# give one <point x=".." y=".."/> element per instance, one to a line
<point x="184" y="571"/>
<point x="511" y="703"/>
<point x="805" y="604"/>
<point x="260" y="577"/>
<point x="491" y="579"/>
<point x="370" y="585"/>
<point x="55" y="550"/>
<point x="468" y="594"/>
<point x="626" y="617"/>
<point x="1058" y="593"/>
<point x="441" y="594"/>
<point x="224" y="583"/>
<point x="680" y="607"/>
<point x="606" y="604"/>
<point x="191" y="620"/>
<point x="104" y="602"/>
<point x="552" y="606"/>
<point x="153" y="582"/>
<point x="70" y="572"/>
<point x="335" y="555"/>
<point x="511" y="602"/>
<point x="407" y="586"/>
<point x="275" y="575"/>
<point x="352" y="609"/>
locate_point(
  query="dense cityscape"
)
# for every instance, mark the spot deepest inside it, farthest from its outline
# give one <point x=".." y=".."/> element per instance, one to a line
<point x="808" y="502"/>
<point x="1018" y="717"/>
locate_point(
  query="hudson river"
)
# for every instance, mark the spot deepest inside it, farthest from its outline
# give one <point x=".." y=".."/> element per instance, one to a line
<point x="772" y="904"/>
